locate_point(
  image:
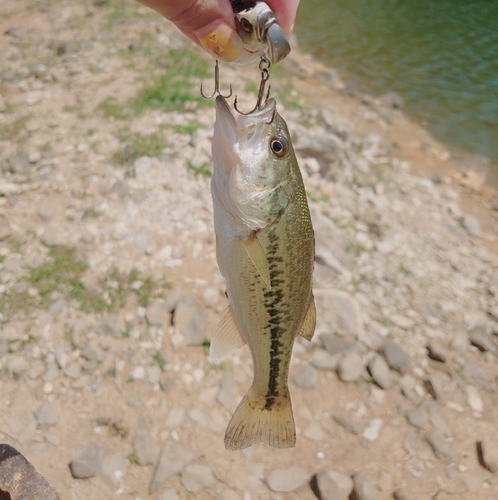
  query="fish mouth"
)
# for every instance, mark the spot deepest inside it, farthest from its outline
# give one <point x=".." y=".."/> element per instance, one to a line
<point x="244" y="127"/>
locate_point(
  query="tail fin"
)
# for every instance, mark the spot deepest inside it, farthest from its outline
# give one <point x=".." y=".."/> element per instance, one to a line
<point x="256" y="421"/>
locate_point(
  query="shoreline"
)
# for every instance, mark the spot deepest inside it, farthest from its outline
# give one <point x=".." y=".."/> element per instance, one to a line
<point x="410" y="141"/>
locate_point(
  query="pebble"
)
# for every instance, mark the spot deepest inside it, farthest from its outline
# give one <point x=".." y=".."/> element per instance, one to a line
<point x="333" y="485"/>
<point x="196" y="477"/>
<point x="198" y="417"/>
<point x="169" y="494"/>
<point x="47" y="415"/>
<point x="396" y="357"/>
<point x="364" y="487"/>
<point x="172" y="461"/>
<point x="346" y="424"/>
<point x="190" y="319"/>
<point x="474" y="399"/>
<point x="334" y="344"/>
<point x="286" y="480"/>
<point x="482" y="340"/>
<point x="87" y="463"/>
<point x="472" y="225"/>
<point x="372" y="428"/>
<point x="415" y="444"/>
<point x="460" y="341"/>
<point x="340" y="311"/>
<point x="379" y="370"/>
<point x="350" y="366"/>
<point x="323" y="360"/>
<point x="441" y="446"/>
<point x="113" y="469"/>
<point x="488" y="454"/>
<point x="306" y="377"/>
<point x="314" y="432"/>
<point x="154" y="374"/>
<point x="138" y="373"/>
<point x="147" y="449"/>
<point x="436" y="352"/>
<point x="419" y="417"/>
<point x="408" y="385"/>
<point x="155" y="312"/>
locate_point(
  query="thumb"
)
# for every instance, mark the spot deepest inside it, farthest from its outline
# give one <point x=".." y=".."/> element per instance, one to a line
<point x="209" y="23"/>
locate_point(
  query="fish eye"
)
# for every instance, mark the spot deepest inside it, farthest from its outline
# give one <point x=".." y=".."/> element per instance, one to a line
<point x="279" y="146"/>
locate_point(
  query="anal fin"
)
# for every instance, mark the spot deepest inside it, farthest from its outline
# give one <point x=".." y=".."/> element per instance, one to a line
<point x="255" y="251"/>
<point x="226" y="337"/>
<point x="309" y="323"/>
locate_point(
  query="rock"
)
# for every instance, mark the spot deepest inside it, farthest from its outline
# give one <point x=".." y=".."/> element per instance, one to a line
<point x="190" y="319"/>
<point x="474" y="399"/>
<point x="154" y="374"/>
<point x="487" y="451"/>
<point x="415" y="444"/>
<point x="306" y="377"/>
<point x="408" y="385"/>
<point x="401" y="494"/>
<point x="384" y="481"/>
<point x="173" y="460"/>
<point x="93" y="351"/>
<point x="481" y="339"/>
<point x="52" y="237"/>
<point x="113" y="469"/>
<point x="436" y="352"/>
<point x="111" y="325"/>
<point x="198" y="417"/>
<point x="346" y="424"/>
<point x="155" y="312"/>
<point x="169" y="494"/>
<point x="364" y="487"/>
<point x="19" y="480"/>
<point x="197" y="477"/>
<point x="472" y="225"/>
<point x="87" y="462"/>
<point x="172" y="299"/>
<point x="419" y="417"/>
<point x="372" y="428"/>
<point x="146" y="447"/>
<point x="441" y="446"/>
<point x="286" y="480"/>
<point x="73" y="371"/>
<point x="340" y="311"/>
<point x="460" y="341"/>
<point x="350" y="366"/>
<point x="392" y="99"/>
<point x="332" y="485"/>
<point x="379" y="370"/>
<point x="323" y="360"/>
<point x="396" y="357"/>
<point x="138" y="373"/>
<point x="47" y="415"/>
<point x="435" y="386"/>
<point x="314" y="432"/>
<point x="334" y="344"/>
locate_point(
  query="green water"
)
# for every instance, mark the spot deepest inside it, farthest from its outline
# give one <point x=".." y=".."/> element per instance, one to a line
<point x="440" y="55"/>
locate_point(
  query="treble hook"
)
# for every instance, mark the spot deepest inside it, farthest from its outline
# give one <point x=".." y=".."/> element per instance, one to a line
<point x="216" y="84"/>
<point x="264" y="66"/>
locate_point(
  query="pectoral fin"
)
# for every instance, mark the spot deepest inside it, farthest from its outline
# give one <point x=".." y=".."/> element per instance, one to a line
<point x="226" y="338"/>
<point x="308" y="328"/>
<point x="257" y="255"/>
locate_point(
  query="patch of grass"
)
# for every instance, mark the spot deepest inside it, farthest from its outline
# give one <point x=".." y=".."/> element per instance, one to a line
<point x="140" y="145"/>
<point x="251" y="88"/>
<point x="9" y="131"/>
<point x="356" y="249"/>
<point x="61" y="273"/>
<point x="149" y="289"/>
<point x="116" y="428"/>
<point x="178" y="86"/>
<point x="133" y="459"/>
<point x="206" y="345"/>
<point x="159" y="360"/>
<point x="190" y="128"/>
<point x="404" y="271"/>
<point x="203" y="170"/>
<point x="316" y="199"/>
<point x="111" y="109"/>
<point x="288" y="98"/>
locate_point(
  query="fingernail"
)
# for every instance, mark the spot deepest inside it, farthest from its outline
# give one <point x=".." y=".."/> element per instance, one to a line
<point x="220" y="40"/>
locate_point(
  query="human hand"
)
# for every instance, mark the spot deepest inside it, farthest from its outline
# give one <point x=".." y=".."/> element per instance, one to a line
<point x="211" y="24"/>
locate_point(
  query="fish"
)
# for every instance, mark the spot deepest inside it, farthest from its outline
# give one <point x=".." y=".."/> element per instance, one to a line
<point x="265" y="249"/>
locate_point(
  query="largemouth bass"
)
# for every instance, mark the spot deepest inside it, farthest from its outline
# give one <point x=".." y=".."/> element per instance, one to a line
<point x="265" y="251"/>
